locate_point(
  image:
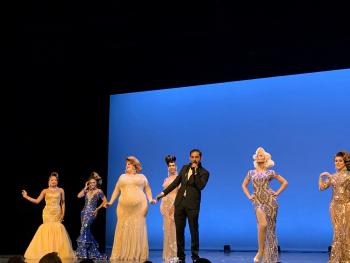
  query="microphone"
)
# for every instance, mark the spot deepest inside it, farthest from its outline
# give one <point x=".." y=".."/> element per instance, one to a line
<point x="194" y="168"/>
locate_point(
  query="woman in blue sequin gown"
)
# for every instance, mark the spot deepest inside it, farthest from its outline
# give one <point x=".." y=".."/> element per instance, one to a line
<point x="87" y="245"/>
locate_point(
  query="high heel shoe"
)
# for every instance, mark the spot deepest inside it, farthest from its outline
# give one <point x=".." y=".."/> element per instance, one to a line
<point x="257" y="258"/>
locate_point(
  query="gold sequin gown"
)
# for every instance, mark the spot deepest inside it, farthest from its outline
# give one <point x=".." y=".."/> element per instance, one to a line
<point x="51" y="236"/>
<point x="268" y="204"/>
<point x="130" y="239"/>
<point x="340" y="215"/>
<point x="167" y="211"/>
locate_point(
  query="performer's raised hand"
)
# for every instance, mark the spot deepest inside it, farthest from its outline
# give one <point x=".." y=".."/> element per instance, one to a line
<point x="325" y="174"/>
<point x="24" y="193"/>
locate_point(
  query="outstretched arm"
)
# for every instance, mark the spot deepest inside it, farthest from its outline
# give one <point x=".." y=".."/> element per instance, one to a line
<point x="114" y="196"/>
<point x="171" y="187"/>
<point x="283" y="182"/>
<point x="149" y="193"/>
<point x="34" y="200"/>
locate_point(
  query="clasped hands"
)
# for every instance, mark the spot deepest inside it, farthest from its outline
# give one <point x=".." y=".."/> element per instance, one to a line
<point x="159" y="196"/>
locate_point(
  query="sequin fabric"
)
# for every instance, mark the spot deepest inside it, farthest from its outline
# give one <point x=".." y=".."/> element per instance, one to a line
<point x="264" y="200"/>
<point x="340" y="216"/>
<point x="130" y="239"/>
<point x="167" y="211"/>
<point x="51" y="235"/>
<point x="87" y="245"/>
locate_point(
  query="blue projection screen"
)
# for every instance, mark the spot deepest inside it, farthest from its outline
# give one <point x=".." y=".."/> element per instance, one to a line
<point x="300" y="119"/>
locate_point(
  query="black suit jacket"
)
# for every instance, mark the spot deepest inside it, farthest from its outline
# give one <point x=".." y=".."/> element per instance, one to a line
<point x="192" y="186"/>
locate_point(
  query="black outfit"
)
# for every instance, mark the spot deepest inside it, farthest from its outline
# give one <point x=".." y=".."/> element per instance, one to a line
<point x="187" y="204"/>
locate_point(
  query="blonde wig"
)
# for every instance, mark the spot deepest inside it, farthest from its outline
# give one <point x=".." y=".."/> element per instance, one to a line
<point x="268" y="160"/>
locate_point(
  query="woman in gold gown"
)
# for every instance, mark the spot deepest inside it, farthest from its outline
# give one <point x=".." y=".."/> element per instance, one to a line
<point x="340" y="207"/>
<point x="167" y="211"/>
<point x="130" y="239"/>
<point x="51" y="236"/>
<point x="265" y="204"/>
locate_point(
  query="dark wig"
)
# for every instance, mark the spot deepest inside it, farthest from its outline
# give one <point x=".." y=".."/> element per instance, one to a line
<point x="170" y="159"/>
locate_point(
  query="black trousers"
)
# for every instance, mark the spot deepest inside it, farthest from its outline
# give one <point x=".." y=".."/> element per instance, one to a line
<point x="181" y="214"/>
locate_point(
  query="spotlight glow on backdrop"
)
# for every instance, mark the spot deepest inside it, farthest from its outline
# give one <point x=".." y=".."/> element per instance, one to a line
<point x="300" y="119"/>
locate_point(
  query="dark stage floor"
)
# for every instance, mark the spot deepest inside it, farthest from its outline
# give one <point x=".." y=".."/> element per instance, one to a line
<point x="234" y="257"/>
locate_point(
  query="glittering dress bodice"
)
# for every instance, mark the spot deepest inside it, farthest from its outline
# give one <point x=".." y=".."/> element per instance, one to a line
<point x="87" y="245"/>
<point x="91" y="203"/>
<point x="262" y="191"/>
<point x="52" y="211"/>
<point x="340" y="215"/>
<point x="167" y="203"/>
<point x="341" y="187"/>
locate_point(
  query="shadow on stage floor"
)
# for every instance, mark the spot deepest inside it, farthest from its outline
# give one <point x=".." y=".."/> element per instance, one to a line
<point x="232" y="257"/>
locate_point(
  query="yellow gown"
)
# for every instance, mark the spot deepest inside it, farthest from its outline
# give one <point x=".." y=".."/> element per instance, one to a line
<point x="51" y="236"/>
<point x="130" y="240"/>
<point x="340" y="215"/>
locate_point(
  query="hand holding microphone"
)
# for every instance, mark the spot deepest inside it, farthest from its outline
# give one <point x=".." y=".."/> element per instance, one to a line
<point x="194" y="166"/>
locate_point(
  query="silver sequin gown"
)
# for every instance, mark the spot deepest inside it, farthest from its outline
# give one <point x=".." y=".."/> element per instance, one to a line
<point x="265" y="201"/>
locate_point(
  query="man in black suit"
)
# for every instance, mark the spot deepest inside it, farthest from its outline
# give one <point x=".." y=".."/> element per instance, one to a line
<point x="193" y="177"/>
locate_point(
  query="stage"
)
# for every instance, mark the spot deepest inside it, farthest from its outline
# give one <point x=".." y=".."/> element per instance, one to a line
<point x="234" y="257"/>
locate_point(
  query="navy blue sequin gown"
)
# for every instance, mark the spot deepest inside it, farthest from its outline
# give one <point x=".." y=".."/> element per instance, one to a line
<point x="87" y="245"/>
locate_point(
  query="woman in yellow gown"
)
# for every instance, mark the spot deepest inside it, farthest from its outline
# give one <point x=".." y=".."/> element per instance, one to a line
<point x="51" y="236"/>
<point x="340" y="207"/>
<point x="130" y="239"/>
